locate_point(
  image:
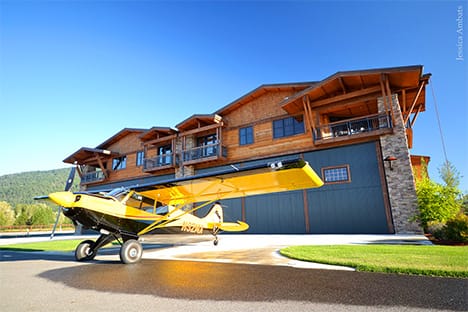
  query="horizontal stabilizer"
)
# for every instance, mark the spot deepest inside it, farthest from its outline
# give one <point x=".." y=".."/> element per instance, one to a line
<point x="238" y="226"/>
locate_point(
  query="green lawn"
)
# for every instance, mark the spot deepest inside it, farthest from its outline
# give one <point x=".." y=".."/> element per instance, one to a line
<point x="449" y="261"/>
<point x="51" y="245"/>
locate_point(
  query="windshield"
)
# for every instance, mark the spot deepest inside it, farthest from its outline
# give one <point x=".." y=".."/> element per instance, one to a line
<point x="118" y="193"/>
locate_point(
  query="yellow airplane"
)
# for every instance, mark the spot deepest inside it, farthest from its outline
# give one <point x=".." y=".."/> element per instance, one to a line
<point x="125" y="214"/>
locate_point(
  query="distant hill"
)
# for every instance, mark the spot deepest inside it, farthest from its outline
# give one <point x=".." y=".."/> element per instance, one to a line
<point x="21" y="188"/>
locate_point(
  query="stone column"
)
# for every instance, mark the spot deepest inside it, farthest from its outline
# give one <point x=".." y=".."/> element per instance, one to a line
<point x="400" y="180"/>
<point x="182" y="170"/>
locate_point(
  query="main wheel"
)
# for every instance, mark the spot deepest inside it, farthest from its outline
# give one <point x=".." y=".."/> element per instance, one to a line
<point x="131" y="251"/>
<point x="84" y="252"/>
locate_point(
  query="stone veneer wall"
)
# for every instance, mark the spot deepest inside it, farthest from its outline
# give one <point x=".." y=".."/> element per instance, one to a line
<point x="181" y="170"/>
<point x="400" y="180"/>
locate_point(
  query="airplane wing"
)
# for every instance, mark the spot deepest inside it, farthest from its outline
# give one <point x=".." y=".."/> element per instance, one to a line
<point x="234" y="182"/>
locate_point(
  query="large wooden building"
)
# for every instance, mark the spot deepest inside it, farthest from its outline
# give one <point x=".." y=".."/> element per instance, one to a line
<point x="353" y="127"/>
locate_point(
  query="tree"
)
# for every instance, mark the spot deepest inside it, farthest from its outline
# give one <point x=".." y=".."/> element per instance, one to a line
<point x="23" y="214"/>
<point x="33" y="214"/>
<point x="7" y="215"/>
<point x="450" y="175"/>
<point x="42" y="214"/>
<point x="439" y="203"/>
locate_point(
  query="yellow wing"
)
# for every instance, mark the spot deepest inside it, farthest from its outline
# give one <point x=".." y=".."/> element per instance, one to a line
<point x="235" y="182"/>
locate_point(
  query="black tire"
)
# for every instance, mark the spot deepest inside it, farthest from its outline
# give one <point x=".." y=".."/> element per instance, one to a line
<point x="131" y="251"/>
<point x="84" y="252"/>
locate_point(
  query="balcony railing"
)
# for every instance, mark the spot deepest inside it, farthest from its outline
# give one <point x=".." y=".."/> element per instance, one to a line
<point x="353" y="127"/>
<point x="204" y="153"/>
<point x="159" y="162"/>
<point x="93" y="176"/>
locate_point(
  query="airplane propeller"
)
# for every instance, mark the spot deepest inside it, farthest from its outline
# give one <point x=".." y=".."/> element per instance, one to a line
<point x="68" y="186"/>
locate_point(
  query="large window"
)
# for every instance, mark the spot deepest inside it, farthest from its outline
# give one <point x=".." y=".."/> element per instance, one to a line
<point x="288" y="127"/>
<point x="119" y="163"/>
<point x="336" y="174"/>
<point x="165" y="155"/>
<point x="209" y="145"/>
<point x="246" y="135"/>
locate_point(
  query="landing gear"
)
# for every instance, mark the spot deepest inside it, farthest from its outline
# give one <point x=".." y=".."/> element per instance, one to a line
<point x="88" y="249"/>
<point x="215" y="234"/>
<point x="131" y="251"/>
<point x="84" y="251"/>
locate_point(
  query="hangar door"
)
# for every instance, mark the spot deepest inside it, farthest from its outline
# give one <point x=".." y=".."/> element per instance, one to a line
<point x="352" y="200"/>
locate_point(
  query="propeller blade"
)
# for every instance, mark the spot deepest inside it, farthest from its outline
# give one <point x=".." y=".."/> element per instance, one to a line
<point x="70" y="179"/>
<point x="68" y="186"/>
<point x="59" y="211"/>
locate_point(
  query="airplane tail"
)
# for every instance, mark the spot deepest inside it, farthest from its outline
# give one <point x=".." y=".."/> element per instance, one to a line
<point x="215" y="220"/>
<point x="215" y="215"/>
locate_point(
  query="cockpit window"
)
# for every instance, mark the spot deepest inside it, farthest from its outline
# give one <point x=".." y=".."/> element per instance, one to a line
<point x="118" y="193"/>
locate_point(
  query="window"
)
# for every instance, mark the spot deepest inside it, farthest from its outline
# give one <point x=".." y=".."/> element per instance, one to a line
<point x="140" y="157"/>
<point x="288" y="127"/>
<point x="337" y="174"/>
<point x="165" y="155"/>
<point x="246" y="135"/>
<point x="119" y="163"/>
<point x="210" y="142"/>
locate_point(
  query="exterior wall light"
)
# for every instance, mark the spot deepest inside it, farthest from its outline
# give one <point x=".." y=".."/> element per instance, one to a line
<point x="390" y="159"/>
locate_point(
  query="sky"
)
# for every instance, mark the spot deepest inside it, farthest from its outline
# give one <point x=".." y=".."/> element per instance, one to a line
<point x="74" y="73"/>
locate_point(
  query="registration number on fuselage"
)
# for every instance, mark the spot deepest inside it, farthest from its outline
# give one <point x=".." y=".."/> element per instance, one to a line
<point x="191" y="227"/>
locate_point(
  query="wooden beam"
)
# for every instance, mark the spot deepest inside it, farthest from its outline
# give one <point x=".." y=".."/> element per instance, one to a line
<point x="160" y="139"/>
<point x="340" y="79"/>
<point x="79" y="170"/>
<point x="346" y="96"/>
<point x="403" y="95"/>
<point x="415" y="116"/>
<point x="307" y="114"/>
<point x="349" y="102"/>
<point x="201" y="129"/>
<point x="384" y="93"/>
<point x="101" y="165"/>
<point x="363" y="86"/>
<point x="421" y="85"/>
<point x="390" y="99"/>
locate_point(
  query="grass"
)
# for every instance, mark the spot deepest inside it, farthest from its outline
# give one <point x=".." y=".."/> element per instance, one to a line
<point x="446" y="261"/>
<point x="52" y="245"/>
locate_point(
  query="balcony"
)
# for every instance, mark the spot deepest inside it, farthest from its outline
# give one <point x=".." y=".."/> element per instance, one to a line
<point x="209" y="152"/>
<point x="92" y="177"/>
<point x="159" y="162"/>
<point x="353" y="128"/>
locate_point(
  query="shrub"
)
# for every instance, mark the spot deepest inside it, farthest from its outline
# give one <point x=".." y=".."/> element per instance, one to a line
<point x="455" y="230"/>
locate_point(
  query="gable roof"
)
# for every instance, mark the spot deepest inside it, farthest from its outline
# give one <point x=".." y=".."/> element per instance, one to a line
<point x="156" y="132"/>
<point x="119" y="135"/>
<point x="404" y="77"/>
<point x="197" y="121"/>
<point x="261" y="90"/>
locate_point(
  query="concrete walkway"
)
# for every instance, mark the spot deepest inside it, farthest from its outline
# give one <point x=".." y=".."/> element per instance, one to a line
<point x="238" y="248"/>
<point x="264" y="249"/>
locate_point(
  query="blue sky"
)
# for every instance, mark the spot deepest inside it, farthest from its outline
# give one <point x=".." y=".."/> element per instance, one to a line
<point x="73" y="73"/>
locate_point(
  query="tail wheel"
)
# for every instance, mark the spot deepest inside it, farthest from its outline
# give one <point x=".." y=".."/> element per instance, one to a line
<point x="131" y="251"/>
<point x="84" y="251"/>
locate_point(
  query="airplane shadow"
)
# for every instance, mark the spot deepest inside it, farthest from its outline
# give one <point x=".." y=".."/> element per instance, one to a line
<point x="190" y="280"/>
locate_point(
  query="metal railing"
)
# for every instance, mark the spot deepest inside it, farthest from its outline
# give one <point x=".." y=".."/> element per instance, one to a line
<point x="93" y="176"/>
<point x="203" y="152"/>
<point x="353" y="127"/>
<point x="157" y="162"/>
